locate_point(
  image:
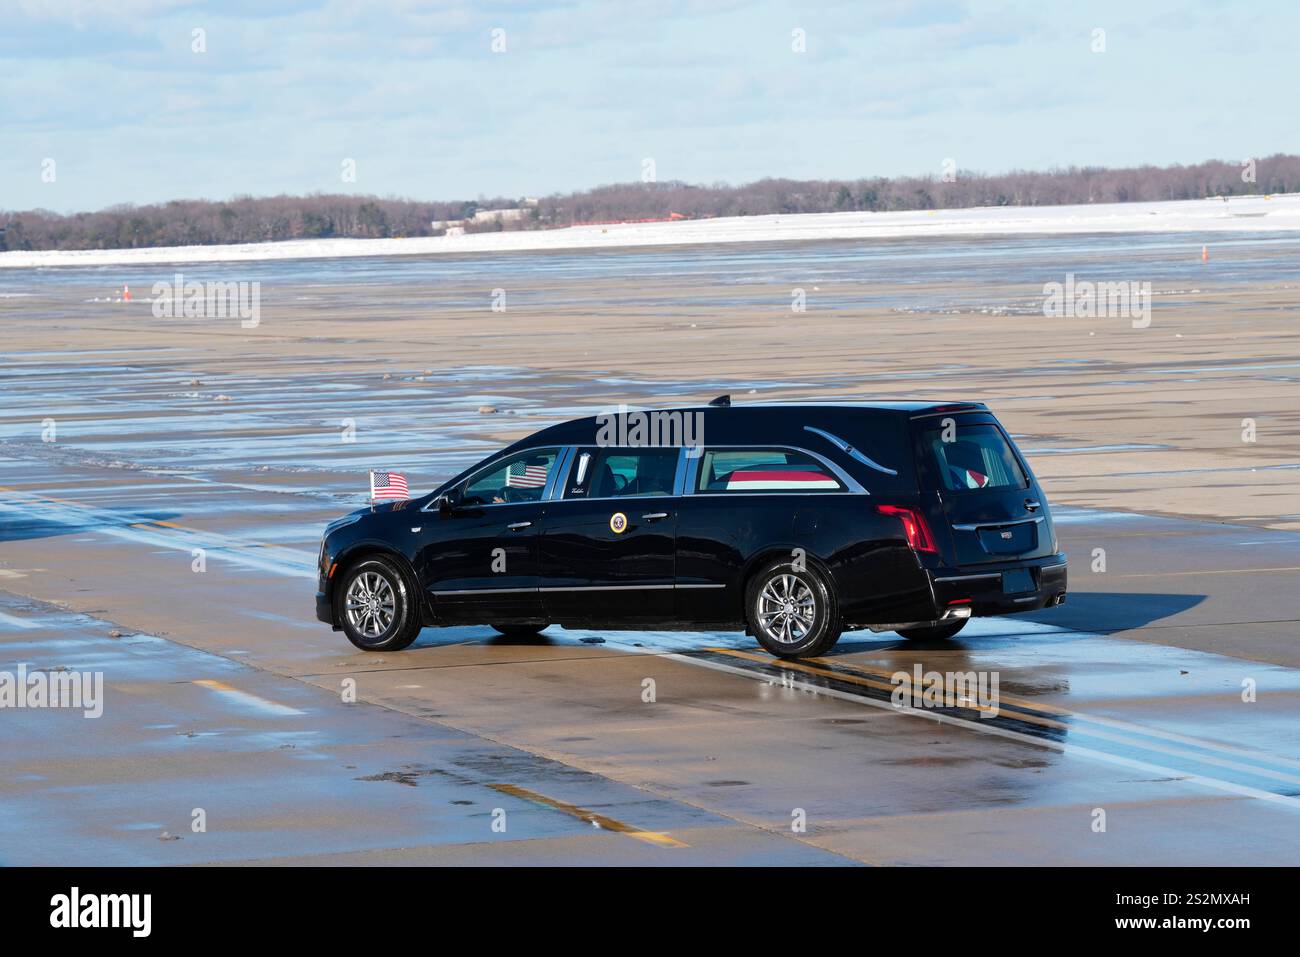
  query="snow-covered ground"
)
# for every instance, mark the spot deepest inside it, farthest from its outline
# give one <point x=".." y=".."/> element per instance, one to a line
<point x="1243" y="214"/>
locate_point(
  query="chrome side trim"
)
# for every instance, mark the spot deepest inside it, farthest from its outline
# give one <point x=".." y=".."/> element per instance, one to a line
<point x="774" y="491"/>
<point x="484" y="591"/>
<point x="607" y="588"/>
<point x="691" y="480"/>
<point x="555" y="483"/>
<point x="976" y="526"/>
<point x="849" y="450"/>
<point x="967" y="578"/>
<point x="619" y="498"/>
<point x="550" y="588"/>
<point x="683" y="466"/>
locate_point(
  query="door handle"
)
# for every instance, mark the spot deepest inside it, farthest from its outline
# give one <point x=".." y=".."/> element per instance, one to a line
<point x="516" y="526"/>
<point x="653" y="516"/>
<point x="1032" y="505"/>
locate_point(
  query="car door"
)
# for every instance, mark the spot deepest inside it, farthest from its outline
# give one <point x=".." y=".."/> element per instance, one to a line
<point x="607" y="543"/>
<point x="740" y="501"/>
<point x="480" y="564"/>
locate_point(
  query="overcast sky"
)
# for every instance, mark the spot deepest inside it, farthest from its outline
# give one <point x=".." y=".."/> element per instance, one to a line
<point x="114" y="93"/>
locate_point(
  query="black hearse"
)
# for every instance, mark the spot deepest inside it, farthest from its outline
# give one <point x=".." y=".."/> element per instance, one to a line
<point x="793" y="522"/>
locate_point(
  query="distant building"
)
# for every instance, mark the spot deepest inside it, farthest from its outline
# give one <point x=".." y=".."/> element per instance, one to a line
<point x="499" y="215"/>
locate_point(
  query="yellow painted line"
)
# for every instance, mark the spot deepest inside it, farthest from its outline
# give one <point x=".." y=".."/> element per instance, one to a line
<point x="158" y="522"/>
<point x="1219" y="571"/>
<point x="214" y="684"/>
<point x="799" y="666"/>
<point x="1039" y="706"/>
<point x="264" y="703"/>
<point x="1122" y="732"/>
<point x="50" y="500"/>
<point x="582" y="814"/>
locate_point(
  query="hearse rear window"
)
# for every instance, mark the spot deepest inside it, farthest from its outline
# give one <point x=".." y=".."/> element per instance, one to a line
<point x="763" y="470"/>
<point x="978" y="457"/>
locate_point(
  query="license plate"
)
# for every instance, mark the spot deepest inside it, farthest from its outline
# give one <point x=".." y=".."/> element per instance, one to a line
<point x="1016" y="581"/>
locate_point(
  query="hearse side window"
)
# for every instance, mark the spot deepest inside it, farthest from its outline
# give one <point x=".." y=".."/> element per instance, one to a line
<point x="619" y="473"/>
<point x="763" y="470"/>
<point x="516" y="478"/>
<point x="977" y="458"/>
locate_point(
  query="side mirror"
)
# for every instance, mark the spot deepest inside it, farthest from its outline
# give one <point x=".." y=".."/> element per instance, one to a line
<point x="445" y="504"/>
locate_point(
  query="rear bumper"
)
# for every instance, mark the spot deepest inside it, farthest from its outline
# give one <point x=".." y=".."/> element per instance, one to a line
<point x="981" y="586"/>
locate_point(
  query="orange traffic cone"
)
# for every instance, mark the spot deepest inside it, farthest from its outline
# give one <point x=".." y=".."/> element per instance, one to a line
<point x="126" y="293"/>
<point x="1205" y="254"/>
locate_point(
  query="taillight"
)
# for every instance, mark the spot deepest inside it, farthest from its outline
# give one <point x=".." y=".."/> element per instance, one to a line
<point x="914" y="526"/>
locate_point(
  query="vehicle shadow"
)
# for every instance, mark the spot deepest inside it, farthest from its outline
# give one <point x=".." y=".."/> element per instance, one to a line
<point x="1108" y="612"/>
<point x="480" y="635"/>
<point x="494" y="640"/>
<point x="1100" y="613"/>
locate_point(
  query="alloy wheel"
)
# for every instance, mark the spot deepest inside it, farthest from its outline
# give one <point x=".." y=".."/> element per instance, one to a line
<point x="370" y="604"/>
<point x="787" y="610"/>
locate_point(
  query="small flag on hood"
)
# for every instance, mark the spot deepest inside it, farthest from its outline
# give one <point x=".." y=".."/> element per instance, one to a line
<point x="388" y="485"/>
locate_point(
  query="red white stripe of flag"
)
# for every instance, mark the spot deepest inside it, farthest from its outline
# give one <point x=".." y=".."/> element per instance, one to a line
<point x="783" y="479"/>
<point x="388" y="485"/>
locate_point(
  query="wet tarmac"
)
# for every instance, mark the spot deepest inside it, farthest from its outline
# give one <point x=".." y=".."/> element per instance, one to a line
<point x="222" y="693"/>
<point x="166" y="536"/>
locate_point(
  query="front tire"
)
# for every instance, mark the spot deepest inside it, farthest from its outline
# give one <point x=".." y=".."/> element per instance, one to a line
<point x="375" y="606"/>
<point x="939" y="632"/>
<point x="792" y="612"/>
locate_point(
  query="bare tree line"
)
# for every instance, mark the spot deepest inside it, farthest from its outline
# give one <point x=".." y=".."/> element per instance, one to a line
<point x="248" y="219"/>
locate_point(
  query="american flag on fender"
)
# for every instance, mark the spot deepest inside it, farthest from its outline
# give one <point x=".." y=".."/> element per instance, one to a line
<point x="520" y="475"/>
<point x="388" y="485"/>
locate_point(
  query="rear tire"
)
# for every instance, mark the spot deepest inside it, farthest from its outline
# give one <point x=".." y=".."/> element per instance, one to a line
<point x="520" y="631"/>
<point x="375" y="606"/>
<point x="793" y="613"/>
<point x="940" y="632"/>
